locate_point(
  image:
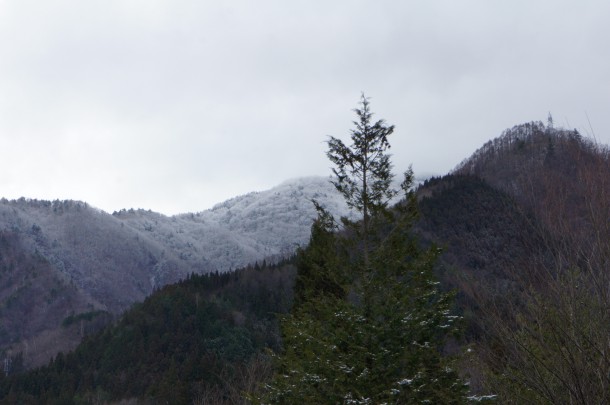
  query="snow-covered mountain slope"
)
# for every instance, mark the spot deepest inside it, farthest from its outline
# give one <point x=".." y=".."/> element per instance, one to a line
<point x="92" y="262"/>
<point x="120" y="258"/>
<point x="256" y="226"/>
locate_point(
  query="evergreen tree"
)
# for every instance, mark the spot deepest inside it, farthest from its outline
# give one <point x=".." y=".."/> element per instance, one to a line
<point x="319" y="267"/>
<point x="363" y="170"/>
<point x="369" y="321"/>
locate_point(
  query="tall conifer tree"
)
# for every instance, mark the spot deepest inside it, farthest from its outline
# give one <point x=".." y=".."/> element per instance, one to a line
<point x="369" y="321"/>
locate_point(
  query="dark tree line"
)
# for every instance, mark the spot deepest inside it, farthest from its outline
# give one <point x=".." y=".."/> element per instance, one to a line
<point x="202" y="338"/>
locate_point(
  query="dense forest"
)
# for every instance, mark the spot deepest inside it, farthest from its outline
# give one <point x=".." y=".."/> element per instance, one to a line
<point x="201" y="339"/>
<point x="518" y="237"/>
<point x="68" y="259"/>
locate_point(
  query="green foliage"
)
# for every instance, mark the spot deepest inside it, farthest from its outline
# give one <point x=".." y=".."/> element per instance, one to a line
<point x="337" y="351"/>
<point x="482" y="233"/>
<point x="185" y="340"/>
<point x="370" y="321"/>
<point x="319" y="264"/>
<point x="85" y="316"/>
<point x="363" y="169"/>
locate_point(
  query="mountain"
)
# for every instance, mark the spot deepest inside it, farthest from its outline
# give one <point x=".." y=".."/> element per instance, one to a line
<point x="532" y="199"/>
<point x="559" y="178"/>
<point x="542" y="322"/>
<point x="242" y="230"/>
<point x="515" y="221"/>
<point x="201" y="339"/>
<point x="66" y="259"/>
<point x="539" y="165"/>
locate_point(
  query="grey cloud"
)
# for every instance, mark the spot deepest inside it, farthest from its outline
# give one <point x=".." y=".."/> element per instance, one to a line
<point x="175" y="105"/>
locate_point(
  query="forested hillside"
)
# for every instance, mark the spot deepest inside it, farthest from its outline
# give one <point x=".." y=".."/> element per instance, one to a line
<point x="484" y="236"/>
<point x="545" y="340"/>
<point x="525" y="238"/>
<point x="90" y="262"/>
<point x="37" y="302"/>
<point x="200" y="340"/>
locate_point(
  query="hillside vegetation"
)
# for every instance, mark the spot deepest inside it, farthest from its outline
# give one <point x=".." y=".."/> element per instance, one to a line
<point x="525" y="237"/>
<point x="88" y="261"/>
<point x="201" y="339"/>
<point x="547" y="342"/>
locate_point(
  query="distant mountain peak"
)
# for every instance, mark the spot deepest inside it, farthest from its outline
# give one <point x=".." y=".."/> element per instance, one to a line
<point x="534" y="140"/>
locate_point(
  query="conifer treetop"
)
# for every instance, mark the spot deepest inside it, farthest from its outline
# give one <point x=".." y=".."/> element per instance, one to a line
<point x="363" y="169"/>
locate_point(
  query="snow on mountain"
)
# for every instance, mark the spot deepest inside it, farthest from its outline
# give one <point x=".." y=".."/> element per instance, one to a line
<point x="252" y="227"/>
<point x="120" y="258"/>
<point x="89" y="261"/>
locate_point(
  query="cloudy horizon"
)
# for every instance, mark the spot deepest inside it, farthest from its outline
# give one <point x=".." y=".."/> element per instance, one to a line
<point x="178" y="105"/>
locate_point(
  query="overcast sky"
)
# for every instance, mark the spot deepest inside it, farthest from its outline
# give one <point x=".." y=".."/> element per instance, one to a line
<point x="175" y="105"/>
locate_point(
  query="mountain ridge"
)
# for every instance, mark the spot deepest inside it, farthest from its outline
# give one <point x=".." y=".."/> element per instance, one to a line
<point x="107" y="262"/>
<point x="528" y="202"/>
